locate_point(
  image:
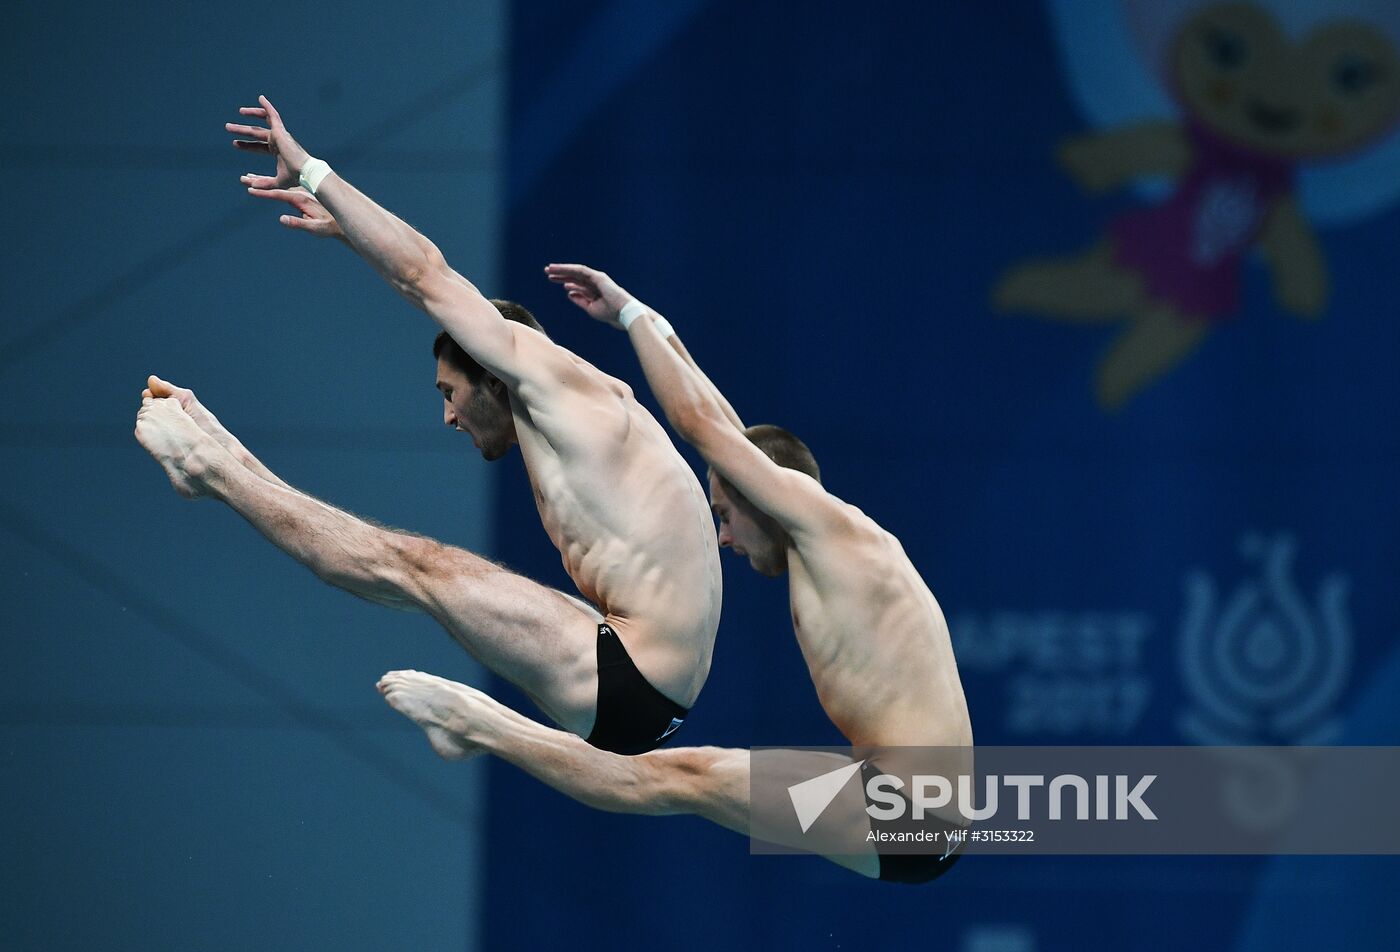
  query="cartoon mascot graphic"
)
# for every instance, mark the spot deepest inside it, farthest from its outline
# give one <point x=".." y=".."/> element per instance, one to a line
<point x="1275" y="118"/>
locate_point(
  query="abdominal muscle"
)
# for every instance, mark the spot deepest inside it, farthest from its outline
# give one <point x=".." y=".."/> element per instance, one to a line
<point x="634" y="533"/>
<point x="877" y="649"/>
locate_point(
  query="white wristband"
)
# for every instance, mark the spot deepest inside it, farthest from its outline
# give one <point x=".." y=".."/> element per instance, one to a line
<point x="312" y="173"/>
<point x="632" y="310"/>
<point x="664" y="326"/>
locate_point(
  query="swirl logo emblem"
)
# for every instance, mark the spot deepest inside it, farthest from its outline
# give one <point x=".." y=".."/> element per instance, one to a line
<point x="1264" y="667"/>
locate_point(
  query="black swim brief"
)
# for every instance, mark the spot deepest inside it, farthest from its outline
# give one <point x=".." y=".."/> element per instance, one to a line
<point x="913" y="868"/>
<point x="633" y="717"/>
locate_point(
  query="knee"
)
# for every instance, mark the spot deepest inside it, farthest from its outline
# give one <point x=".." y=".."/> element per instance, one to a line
<point x="434" y="561"/>
<point x="412" y="567"/>
<point x="685" y="779"/>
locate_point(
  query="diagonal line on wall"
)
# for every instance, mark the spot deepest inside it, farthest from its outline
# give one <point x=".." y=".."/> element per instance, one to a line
<point x="206" y="645"/>
<point x="124" y="285"/>
<point x="201" y="239"/>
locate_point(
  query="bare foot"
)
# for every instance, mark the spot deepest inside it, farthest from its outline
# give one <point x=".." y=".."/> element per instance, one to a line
<point x="197" y="412"/>
<point x="204" y="418"/>
<point x="441" y="707"/>
<point x="178" y="445"/>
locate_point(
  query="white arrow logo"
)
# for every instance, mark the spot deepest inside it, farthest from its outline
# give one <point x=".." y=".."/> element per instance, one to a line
<point x="810" y="798"/>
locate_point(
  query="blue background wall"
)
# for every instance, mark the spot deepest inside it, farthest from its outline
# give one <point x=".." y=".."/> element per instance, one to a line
<point x="821" y="199"/>
<point x="192" y="752"/>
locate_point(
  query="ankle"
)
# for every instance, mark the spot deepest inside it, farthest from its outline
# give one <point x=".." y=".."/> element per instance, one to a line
<point x="204" y="466"/>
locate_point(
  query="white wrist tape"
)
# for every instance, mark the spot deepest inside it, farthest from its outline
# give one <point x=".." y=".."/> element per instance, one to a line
<point x="632" y="310"/>
<point x="664" y="326"/>
<point x="312" y="173"/>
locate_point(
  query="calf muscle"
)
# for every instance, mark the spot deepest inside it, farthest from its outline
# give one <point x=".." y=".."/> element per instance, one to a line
<point x="375" y="563"/>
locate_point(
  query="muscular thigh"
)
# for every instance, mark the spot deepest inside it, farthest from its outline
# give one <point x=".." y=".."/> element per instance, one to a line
<point x="840" y="831"/>
<point x="538" y="638"/>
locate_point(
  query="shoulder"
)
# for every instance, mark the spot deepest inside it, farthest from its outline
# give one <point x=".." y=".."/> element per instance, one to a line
<point x="838" y="521"/>
<point x="844" y="534"/>
<point x="554" y="367"/>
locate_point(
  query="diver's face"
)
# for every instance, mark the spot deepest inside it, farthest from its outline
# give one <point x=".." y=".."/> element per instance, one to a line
<point x="1332" y="92"/>
<point x="481" y="410"/>
<point x="745" y="530"/>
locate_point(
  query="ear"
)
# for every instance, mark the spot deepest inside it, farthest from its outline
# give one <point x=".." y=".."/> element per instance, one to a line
<point x="495" y="385"/>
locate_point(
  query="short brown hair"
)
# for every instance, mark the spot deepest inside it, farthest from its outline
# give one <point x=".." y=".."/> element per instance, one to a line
<point x="445" y="348"/>
<point x="784" y="449"/>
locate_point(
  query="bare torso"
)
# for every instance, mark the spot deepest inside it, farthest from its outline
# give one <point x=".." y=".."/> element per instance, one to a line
<point x="632" y="526"/>
<point x="875" y="640"/>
